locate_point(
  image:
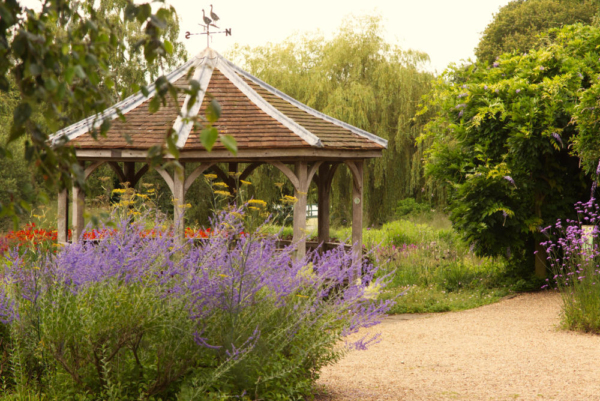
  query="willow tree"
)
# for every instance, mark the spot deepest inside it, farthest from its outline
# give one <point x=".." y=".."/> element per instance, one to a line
<point x="361" y="79"/>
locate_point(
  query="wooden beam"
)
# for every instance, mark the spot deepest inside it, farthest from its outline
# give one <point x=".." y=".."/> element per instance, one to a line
<point x="165" y="175"/>
<point x="249" y="170"/>
<point x="288" y="173"/>
<point x="243" y="155"/>
<point x="140" y="174"/>
<point x="220" y="173"/>
<point x="195" y="174"/>
<point x="301" y="194"/>
<point x="129" y="170"/>
<point x="326" y="173"/>
<point x="356" y="167"/>
<point x="63" y="217"/>
<point x="179" y="203"/>
<point x="311" y="172"/>
<point x="91" y="168"/>
<point x="78" y="209"/>
<point x="117" y="169"/>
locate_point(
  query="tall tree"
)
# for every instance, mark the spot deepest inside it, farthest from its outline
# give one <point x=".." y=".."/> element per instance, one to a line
<point x="508" y="140"/>
<point x="358" y="78"/>
<point x="64" y="60"/>
<point x="515" y="28"/>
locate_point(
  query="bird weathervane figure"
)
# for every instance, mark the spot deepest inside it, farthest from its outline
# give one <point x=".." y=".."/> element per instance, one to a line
<point x="208" y="22"/>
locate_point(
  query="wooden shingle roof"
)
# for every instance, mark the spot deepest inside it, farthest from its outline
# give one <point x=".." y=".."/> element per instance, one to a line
<point x="257" y="115"/>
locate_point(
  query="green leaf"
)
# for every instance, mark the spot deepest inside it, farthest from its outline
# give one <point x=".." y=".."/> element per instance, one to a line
<point x="230" y="143"/>
<point x="80" y="72"/>
<point x="213" y="111"/>
<point x="154" y="105"/>
<point x="168" y="47"/>
<point x="25" y="205"/>
<point x="35" y="69"/>
<point x="144" y="90"/>
<point x="21" y="114"/>
<point x="50" y="84"/>
<point x="69" y="73"/>
<point x="105" y="126"/>
<point x="172" y="146"/>
<point x="208" y="137"/>
<point x="143" y="12"/>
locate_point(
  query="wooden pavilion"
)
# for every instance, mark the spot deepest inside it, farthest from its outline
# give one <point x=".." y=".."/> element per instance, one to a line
<point x="268" y="125"/>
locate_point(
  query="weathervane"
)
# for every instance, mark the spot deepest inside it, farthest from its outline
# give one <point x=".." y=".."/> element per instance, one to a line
<point x="209" y="22"/>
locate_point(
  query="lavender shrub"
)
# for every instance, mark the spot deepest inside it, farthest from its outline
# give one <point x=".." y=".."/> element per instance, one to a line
<point x="574" y="258"/>
<point x="137" y="316"/>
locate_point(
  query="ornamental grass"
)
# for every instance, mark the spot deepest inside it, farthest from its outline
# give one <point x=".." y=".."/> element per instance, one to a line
<point x="134" y="316"/>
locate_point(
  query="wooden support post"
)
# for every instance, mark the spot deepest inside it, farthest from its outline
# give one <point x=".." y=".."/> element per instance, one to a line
<point x="179" y="202"/>
<point x="129" y="172"/>
<point x="78" y="209"/>
<point x="324" y="191"/>
<point x="356" y="168"/>
<point x="301" y="192"/>
<point x="63" y="216"/>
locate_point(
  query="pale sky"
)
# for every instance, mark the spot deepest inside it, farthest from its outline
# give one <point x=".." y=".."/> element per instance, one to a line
<point x="447" y="30"/>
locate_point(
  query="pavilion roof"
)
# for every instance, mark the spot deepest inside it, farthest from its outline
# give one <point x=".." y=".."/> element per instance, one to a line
<point x="257" y="115"/>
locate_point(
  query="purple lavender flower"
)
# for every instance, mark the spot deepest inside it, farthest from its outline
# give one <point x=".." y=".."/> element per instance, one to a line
<point x="541" y="68"/>
<point x="496" y="64"/>
<point x="518" y="90"/>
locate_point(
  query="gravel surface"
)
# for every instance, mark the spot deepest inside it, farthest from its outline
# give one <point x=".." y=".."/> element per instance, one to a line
<point x="511" y="350"/>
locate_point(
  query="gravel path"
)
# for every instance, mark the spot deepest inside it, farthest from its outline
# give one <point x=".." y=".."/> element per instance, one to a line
<point x="511" y="350"/>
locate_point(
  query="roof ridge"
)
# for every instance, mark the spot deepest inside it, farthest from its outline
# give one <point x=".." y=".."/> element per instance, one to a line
<point x="202" y="74"/>
<point x="310" y="110"/>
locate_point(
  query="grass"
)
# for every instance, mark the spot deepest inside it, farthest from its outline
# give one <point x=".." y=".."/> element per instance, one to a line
<point x="429" y="268"/>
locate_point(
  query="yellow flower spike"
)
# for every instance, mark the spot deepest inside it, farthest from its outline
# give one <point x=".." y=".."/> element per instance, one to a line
<point x="223" y="275"/>
<point x="239" y="173"/>
<point x="253" y="208"/>
<point x="245" y="182"/>
<point x="279" y="184"/>
<point x="223" y="193"/>
<point x="188" y="205"/>
<point x="220" y="184"/>
<point x="238" y="215"/>
<point x="301" y="296"/>
<point x="232" y="173"/>
<point x="257" y="202"/>
<point x="210" y="176"/>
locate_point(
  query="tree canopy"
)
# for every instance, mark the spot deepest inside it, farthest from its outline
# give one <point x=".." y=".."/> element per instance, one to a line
<point x="73" y="59"/>
<point x="358" y="78"/>
<point x="515" y="28"/>
<point x="508" y="139"/>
